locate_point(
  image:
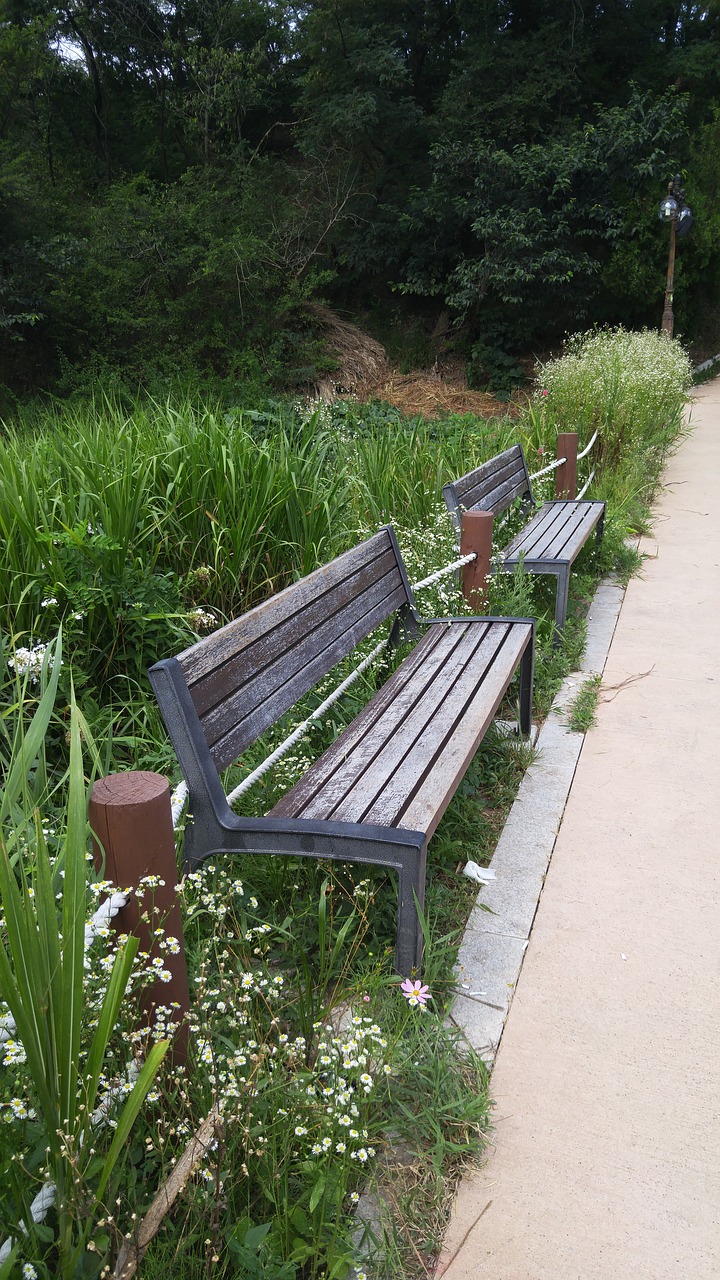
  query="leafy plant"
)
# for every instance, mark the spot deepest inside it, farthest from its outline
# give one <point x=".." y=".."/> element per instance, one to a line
<point x="42" y="979"/>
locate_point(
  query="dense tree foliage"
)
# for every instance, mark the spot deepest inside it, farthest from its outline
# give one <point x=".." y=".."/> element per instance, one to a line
<point x="178" y="179"/>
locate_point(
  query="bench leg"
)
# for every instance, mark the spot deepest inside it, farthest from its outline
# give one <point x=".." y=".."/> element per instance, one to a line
<point x="526" y="687"/>
<point x="561" y="604"/>
<point x="411" y="895"/>
<point x="600" y="529"/>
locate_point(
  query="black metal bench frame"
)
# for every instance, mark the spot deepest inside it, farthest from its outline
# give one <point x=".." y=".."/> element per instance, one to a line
<point x="551" y="540"/>
<point x="218" y="696"/>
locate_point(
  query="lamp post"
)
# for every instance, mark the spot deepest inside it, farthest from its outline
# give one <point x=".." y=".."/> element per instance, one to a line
<point x="673" y="209"/>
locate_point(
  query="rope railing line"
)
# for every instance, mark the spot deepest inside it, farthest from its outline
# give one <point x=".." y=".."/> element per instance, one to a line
<point x="587" y="448"/>
<point x="45" y="1199"/>
<point x="586" y="486"/>
<point x="302" y="729"/>
<point x="552" y="466"/>
<point x="177" y="802"/>
<point x="447" y="569"/>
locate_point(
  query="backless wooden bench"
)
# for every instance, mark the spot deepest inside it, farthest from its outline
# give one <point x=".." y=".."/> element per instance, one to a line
<point x="550" y="542"/>
<point x="378" y="793"/>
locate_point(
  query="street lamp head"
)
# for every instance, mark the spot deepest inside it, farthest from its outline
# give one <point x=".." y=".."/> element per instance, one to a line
<point x="668" y="209"/>
<point x="684" y="220"/>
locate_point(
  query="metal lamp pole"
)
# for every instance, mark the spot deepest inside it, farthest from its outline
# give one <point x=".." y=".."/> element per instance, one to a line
<point x="675" y="210"/>
<point x="668" y="320"/>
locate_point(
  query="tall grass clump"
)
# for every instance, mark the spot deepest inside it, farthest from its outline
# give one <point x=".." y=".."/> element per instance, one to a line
<point x="67" y="1106"/>
<point x="631" y="387"/>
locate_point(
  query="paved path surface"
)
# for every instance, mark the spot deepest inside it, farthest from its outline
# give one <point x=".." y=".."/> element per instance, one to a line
<point x="606" y="1155"/>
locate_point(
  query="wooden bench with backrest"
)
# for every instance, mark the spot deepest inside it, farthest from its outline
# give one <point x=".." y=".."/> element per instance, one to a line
<point x="378" y="793"/>
<point x="551" y="540"/>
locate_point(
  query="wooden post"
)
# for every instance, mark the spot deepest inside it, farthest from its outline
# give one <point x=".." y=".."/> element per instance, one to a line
<point x="131" y="819"/>
<point x="566" y="475"/>
<point x="476" y="535"/>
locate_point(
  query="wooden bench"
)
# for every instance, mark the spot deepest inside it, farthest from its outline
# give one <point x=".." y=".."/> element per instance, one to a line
<point x="550" y="542"/>
<point x="378" y="793"/>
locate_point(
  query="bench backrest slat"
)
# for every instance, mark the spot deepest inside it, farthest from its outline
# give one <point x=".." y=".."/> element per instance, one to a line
<point x="494" y="486"/>
<point x="248" y="674"/>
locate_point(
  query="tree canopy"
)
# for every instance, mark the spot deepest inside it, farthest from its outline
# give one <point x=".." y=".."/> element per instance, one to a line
<point x="178" y="180"/>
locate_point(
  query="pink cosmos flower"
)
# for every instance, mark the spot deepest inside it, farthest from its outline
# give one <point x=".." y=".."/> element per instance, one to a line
<point x="415" y="992"/>
<point x="544" y="393"/>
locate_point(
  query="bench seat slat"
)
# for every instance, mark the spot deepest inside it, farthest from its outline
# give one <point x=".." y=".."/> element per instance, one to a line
<point x="568" y="542"/>
<point x="428" y="653"/>
<point x="440" y="782"/>
<point x="377" y="771"/>
<point x="532" y="534"/>
<point x="439" y="755"/>
<point x="367" y="770"/>
<point x="557" y="533"/>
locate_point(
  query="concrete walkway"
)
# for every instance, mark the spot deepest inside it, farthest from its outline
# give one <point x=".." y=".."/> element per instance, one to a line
<point x="605" y="1162"/>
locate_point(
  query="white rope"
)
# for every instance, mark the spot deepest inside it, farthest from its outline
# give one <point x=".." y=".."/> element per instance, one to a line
<point x="587" y="448"/>
<point x="45" y="1198"/>
<point x="586" y="486"/>
<point x="97" y="924"/>
<point x="551" y="467"/>
<point x="298" y="733"/>
<point x="441" y="573"/>
<point x="177" y="802"/>
<point x="43" y="1201"/>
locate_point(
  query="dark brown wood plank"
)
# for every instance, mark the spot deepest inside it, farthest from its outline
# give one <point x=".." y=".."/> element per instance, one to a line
<point x="428" y="683"/>
<point x="295" y="628"/>
<point x="353" y="738"/>
<point x="568" y="542"/>
<point x="277" y="656"/>
<point x="223" y="645"/>
<point x="474" y="492"/>
<point x="245" y="730"/>
<point x="496" y="484"/>
<point x="434" y="794"/>
<point x="532" y="539"/>
<point x="560" y="536"/>
<point x="404" y="753"/>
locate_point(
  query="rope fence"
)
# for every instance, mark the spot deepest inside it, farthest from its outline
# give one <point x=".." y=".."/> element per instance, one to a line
<point x="586" y="486"/>
<point x="587" y="448"/>
<point x="552" y="466"/>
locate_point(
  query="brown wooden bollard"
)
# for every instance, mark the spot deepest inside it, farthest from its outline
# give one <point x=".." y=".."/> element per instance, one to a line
<point x="566" y="475"/>
<point x="476" y="535"/>
<point x="131" y="819"/>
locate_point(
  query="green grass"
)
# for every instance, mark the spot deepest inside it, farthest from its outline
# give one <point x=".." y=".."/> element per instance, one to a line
<point x="582" y="708"/>
<point x="120" y="518"/>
